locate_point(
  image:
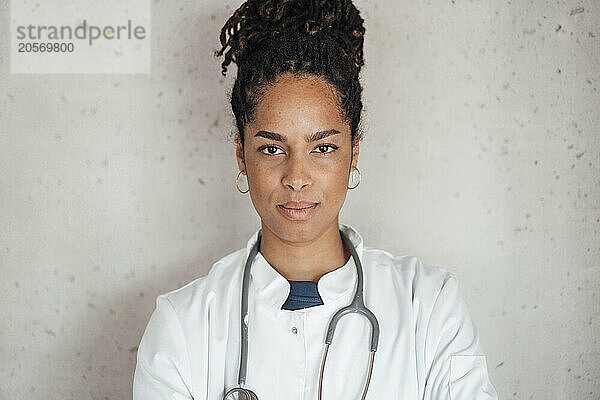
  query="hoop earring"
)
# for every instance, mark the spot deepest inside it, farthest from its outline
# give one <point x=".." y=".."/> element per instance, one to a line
<point x="357" y="170"/>
<point x="237" y="183"/>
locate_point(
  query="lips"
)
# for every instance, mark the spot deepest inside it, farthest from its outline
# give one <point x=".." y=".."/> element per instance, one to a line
<point x="297" y="210"/>
<point x="298" y="205"/>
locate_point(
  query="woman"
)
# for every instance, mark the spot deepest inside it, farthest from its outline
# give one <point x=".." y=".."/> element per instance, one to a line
<point x="297" y="103"/>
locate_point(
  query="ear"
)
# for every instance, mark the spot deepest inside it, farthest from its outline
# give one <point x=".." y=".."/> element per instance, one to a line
<point x="355" y="151"/>
<point x="239" y="153"/>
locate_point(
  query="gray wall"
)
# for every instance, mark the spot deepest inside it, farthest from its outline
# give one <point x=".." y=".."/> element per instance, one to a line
<point x="482" y="156"/>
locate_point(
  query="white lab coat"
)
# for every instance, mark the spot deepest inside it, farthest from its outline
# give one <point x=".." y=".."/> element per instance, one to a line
<point x="429" y="348"/>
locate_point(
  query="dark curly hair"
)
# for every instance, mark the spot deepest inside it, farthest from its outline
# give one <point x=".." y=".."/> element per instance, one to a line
<point x="270" y="37"/>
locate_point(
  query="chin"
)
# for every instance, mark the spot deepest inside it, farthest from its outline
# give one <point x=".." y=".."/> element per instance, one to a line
<point x="294" y="231"/>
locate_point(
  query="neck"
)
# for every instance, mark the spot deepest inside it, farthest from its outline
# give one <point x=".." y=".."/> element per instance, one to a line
<point x="305" y="261"/>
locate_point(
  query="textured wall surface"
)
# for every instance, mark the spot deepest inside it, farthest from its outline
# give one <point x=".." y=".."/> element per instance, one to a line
<point x="481" y="156"/>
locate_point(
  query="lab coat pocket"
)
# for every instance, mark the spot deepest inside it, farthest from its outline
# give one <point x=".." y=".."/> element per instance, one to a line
<point x="469" y="378"/>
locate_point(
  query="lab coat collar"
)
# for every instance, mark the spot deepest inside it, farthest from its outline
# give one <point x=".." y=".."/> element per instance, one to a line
<point x="275" y="288"/>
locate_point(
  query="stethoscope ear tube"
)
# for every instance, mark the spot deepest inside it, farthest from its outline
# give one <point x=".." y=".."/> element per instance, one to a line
<point x="369" y="373"/>
<point x="357" y="305"/>
<point x="353" y="308"/>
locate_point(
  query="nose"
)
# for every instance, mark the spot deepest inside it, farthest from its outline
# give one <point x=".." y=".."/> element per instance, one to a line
<point x="297" y="173"/>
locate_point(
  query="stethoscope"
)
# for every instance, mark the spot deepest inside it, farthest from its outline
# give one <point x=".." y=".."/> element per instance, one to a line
<point x="356" y="306"/>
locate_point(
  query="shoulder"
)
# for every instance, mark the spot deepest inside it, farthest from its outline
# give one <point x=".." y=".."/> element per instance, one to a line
<point x="177" y="312"/>
<point x="410" y="267"/>
<point x="423" y="278"/>
<point x="222" y="276"/>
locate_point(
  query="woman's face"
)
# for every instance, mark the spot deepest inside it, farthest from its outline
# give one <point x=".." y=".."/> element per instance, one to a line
<point x="298" y="149"/>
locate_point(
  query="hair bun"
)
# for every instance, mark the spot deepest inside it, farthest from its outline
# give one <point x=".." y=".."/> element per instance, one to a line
<point x="259" y="20"/>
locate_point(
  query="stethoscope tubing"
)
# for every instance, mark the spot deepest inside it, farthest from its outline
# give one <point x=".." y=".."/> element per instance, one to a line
<point x="356" y="306"/>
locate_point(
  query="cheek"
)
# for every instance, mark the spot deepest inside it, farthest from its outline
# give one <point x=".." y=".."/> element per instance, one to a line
<point x="262" y="183"/>
<point x="335" y="180"/>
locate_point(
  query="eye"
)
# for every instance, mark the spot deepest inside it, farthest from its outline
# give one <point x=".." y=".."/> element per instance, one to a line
<point x="270" y="150"/>
<point x="325" y="146"/>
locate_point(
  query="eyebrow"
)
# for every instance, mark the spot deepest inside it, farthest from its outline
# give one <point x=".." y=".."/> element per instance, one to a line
<point x="308" y="138"/>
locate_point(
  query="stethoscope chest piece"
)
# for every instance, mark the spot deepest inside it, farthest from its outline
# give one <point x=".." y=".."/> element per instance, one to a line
<point x="239" y="393"/>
